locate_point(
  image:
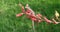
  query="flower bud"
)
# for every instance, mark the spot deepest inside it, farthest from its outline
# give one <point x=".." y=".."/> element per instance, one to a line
<point x="20" y="14"/>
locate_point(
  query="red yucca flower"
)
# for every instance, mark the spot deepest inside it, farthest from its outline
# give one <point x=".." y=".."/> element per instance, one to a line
<point x="23" y="11"/>
<point x="31" y="14"/>
<point x="29" y="10"/>
<point x="33" y="19"/>
<point x="20" y="14"/>
<point x="39" y="15"/>
<point x="48" y="21"/>
<point x="55" y="22"/>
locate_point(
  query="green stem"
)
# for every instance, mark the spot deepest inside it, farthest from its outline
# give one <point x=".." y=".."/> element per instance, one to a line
<point x="33" y="26"/>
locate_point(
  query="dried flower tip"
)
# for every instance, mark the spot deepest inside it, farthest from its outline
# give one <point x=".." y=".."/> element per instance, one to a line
<point x="23" y="10"/>
<point x="20" y="4"/>
<point x="56" y="14"/>
<point x="26" y="6"/>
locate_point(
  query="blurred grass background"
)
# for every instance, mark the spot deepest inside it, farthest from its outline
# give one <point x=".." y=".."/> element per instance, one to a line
<point x="9" y="9"/>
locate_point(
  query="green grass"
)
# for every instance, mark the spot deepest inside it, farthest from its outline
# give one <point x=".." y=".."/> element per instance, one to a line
<point x="9" y="9"/>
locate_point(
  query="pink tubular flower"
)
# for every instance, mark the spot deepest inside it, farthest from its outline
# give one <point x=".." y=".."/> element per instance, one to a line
<point x="39" y="18"/>
<point x="39" y="21"/>
<point x="20" y="14"/>
<point x="29" y="10"/>
<point x="23" y="10"/>
<point x="39" y="15"/>
<point x="48" y="21"/>
<point x="54" y="21"/>
<point x="33" y="19"/>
